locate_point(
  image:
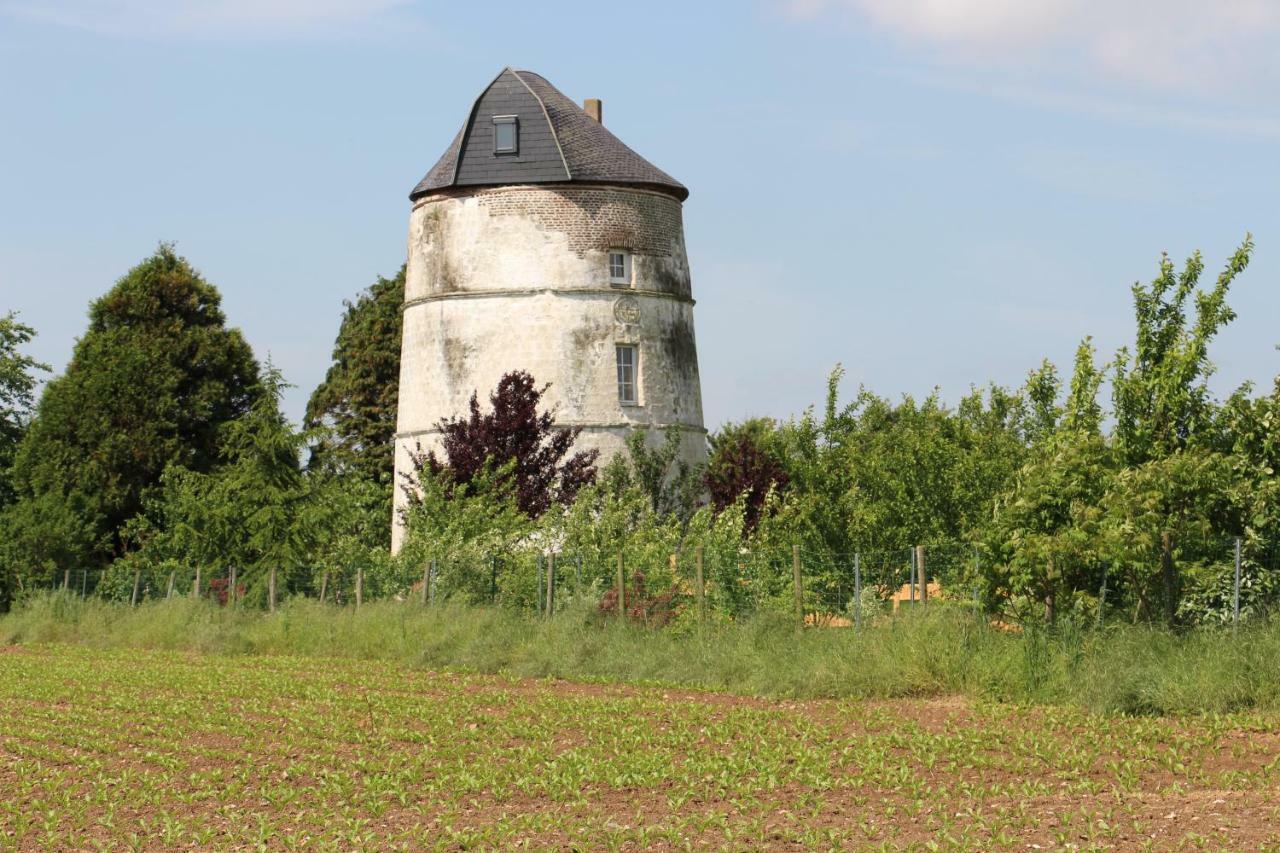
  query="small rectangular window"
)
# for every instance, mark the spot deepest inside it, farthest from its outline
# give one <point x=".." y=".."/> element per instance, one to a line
<point x="627" y="371"/>
<point x="506" y="135"/>
<point x="620" y="268"/>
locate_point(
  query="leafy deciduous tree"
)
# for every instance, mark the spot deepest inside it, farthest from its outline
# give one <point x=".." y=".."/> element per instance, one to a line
<point x="255" y="511"/>
<point x="17" y="389"/>
<point x="1164" y="414"/>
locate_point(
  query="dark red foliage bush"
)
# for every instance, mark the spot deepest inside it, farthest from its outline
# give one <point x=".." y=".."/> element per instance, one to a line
<point x="514" y="430"/>
<point x="742" y="467"/>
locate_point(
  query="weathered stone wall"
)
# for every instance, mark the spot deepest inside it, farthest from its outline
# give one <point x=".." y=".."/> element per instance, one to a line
<point x="516" y="278"/>
<point x="486" y="239"/>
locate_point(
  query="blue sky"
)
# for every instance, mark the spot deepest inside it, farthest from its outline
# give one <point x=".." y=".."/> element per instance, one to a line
<point x="932" y="192"/>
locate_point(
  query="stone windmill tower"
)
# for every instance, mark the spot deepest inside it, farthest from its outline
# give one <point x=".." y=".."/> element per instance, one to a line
<point x="540" y="242"/>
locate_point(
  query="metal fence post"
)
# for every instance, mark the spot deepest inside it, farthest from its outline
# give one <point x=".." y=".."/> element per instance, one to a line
<point x="551" y="583"/>
<point x="538" y="575"/>
<point x="1235" y="596"/>
<point x="796" y="583"/>
<point x="911" y="576"/>
<point x="622" y="588"/>
<point x="857" y="591"/>
<point x="977" y="573"/>
<point x="1102" y="594"/>
<point x="493" y="579"/>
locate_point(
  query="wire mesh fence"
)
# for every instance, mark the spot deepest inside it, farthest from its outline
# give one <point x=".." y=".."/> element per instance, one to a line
<point x="1197" y="580"/>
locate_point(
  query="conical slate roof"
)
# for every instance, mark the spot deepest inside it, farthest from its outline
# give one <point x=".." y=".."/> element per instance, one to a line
<point x="558" y="142"/>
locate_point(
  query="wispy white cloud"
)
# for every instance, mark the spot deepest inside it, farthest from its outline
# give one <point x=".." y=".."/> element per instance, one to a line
<point x="206" y="18"/>
<point x="1098" y="175"/>
<point x="1106" y="105"/>
<point x="1185" y="45"/>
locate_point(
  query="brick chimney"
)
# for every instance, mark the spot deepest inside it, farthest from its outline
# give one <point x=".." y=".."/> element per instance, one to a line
<point x="594" y="107"/>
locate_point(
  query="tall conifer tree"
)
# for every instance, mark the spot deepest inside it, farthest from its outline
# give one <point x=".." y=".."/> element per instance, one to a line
<point x="357" y="400"/>
<point x="151" y="384"/>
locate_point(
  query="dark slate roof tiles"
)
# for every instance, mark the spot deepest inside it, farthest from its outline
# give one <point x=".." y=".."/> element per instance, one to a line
<point x="558" y="143"/>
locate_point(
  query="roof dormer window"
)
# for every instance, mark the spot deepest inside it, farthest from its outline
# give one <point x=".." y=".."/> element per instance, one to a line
<point x="506" y="135"/>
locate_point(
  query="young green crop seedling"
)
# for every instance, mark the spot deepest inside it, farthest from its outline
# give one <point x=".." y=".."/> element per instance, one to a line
<point x="109" y="749"/>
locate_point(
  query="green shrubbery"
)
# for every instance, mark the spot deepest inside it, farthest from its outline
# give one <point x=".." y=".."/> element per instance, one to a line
<point x="943" y="649"/>
<point x="1029" y="500"/>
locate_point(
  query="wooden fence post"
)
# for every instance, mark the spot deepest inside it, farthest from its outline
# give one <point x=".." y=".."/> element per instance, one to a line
<point x="922" y="574"/>
<point x="426" y="583"/>
<point x="137" y="580"/>
<point x="231" y="585"/>
<point x="324" y="585"/>
<point x="66" y="579"/>
<point x="271" y="590"/>
<point x="169" y="591"/>
<point x="551" y="583"/>
<point x="359" y="586"/>
<point x="622" y="588"/>
<point x="796" y="583"/>
<point x="195" y="585"/>
<point x="700" y="587"/>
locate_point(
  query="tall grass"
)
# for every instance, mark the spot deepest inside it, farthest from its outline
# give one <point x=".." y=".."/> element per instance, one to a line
<point x="940" y="651"/>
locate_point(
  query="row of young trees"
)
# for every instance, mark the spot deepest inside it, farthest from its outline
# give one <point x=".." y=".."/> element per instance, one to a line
<point x="163" y="447"/>
<point x="1056" y="502"/>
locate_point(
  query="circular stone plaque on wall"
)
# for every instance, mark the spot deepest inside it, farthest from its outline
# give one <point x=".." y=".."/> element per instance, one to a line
<point x="627" y="310"/>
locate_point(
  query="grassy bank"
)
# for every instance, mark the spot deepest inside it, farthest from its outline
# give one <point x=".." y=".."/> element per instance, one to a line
<point x="939" y="652"/>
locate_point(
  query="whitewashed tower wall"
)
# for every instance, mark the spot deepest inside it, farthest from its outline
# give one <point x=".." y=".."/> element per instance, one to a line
<point x="516" y="276"/>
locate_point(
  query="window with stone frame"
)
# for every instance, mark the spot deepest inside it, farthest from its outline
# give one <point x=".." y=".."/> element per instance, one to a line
<point x="619" y="268"/>
<point x="628" y="374"/>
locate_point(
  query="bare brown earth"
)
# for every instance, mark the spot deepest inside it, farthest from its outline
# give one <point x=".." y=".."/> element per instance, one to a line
<point x="160" y="751"/>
